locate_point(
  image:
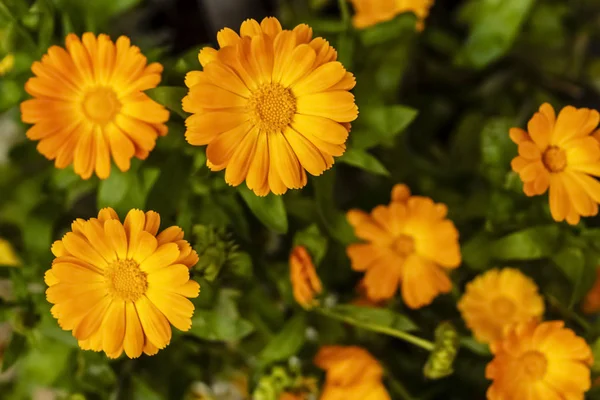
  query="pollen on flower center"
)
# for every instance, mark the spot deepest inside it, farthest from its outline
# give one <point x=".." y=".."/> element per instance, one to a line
<point x="555" y="159"/>
<point x="534" y="364"/>
<point x="404" y="245"/>
<point x="125" y="280"/>
<point x="503" y="307"/>
<point x="272" y="107"/>
<point x="101" y="105"/>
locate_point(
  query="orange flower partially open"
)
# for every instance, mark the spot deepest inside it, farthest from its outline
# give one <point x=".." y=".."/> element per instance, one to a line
<point x="372" y="12"/>
<point x="409" y="243"/>
<point x="561" y="153"/>
<point x="305" y="281"/>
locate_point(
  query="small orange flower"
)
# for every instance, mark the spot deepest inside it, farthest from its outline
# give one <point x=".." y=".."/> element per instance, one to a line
<point x="305" y="281"/>
<point x="497" y="299"/>
<point x="561" y="153"/>
<point x="539" y="362"/>
<point x="372" y="12"/>
<point x="410" y="243"/>
<point x="591" y="303"/>
<point x="352" y="374"/>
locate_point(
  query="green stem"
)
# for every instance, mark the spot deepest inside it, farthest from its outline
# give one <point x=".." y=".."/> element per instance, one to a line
<point x="345" y="11"/>
<point x="407" y="337"/>
<point x="568" y="313"/>
<point x="400" y="390"/>
<point x="22" y="31"/>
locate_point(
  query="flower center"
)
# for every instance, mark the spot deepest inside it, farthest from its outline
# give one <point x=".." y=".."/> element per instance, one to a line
<point x="404" y="245"/>
<point x="503" y="308"/>
<point x="272" y="107"/>
<point x="534" y="364"/>
<point x="101" y="105"/>
<point x="126" y="280"/>
<point x="555" y="159"/>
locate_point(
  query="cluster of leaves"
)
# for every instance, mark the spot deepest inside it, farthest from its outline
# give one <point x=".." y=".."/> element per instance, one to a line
<point x="435" y="109"/>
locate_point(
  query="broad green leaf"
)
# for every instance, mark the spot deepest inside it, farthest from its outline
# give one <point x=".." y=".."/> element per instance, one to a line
<point x="113" y="190"/>
<point x="364" y="160"/>
<point x="378" y="317"/>
<point x="286" y="343"/>
<point x="333" y="219"/>
<point x="170" y="97"/>
<point x="380" y="125"/>
<point x="14" y="351"/>
<point x="223" y="322"/>
<point x="528" y="244"/>
<point x="493" y="31"/>
<point x="497" y="150"/>
<point x="269" y="210"/>
<point x="401" y="26"/>
<point x="476" y="253"/>
<point x="169" y="188"/>
<point x="314" y="241"/>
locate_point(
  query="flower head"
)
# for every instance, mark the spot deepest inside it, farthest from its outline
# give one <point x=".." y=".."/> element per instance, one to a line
<point x="591" y="303"/>
<point x="410" y="243"/>
<point x="305" y="281"/>
<point x="352" y="373"/>
<point x="8" y="257"/>
<point x="89" y="105"/>
<point x="372" y="12"/>
<point x="561" y="153"/>
<point x="497" y="299"/>
<point x="119" y="286"/>
<point x="539" y="362"/>
<point x="270" y="104"/>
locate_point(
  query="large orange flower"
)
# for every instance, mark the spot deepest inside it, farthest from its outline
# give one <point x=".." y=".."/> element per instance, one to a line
<point x="119" y="286"/>
<point x="539" y="362"/>
<point x="270" y="104"/>
<point x="89" y="104"/>
<point x="561" y="153"/>
<point x="410" y="243"/>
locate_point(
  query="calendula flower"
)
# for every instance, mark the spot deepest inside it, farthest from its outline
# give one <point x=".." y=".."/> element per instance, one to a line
<point x="539" y="362"/>
<point x="8" y="257"/>
<point x="305" y="281"/>
<point x="270" y="104"/>
<point x="497" y="299"/>
<point x="591" y="303"/>
<point x="118" y="286"/>
<point x="372" y="12"/>
<point x="561" y="153"/>
<point x="409" y="243"/>
<point x="89" y="105"/>
<point x="352" y="373"/>
<point x="7" y="64"/>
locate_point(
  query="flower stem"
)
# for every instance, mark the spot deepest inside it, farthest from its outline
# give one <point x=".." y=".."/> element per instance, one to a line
<point x="568" y="313"/>
<point x="407" y="337"/>
<point x="345" y="11"/>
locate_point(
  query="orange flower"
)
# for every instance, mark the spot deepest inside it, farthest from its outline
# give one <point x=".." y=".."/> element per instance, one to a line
<point x="497" y="299"/>
<point x="291" y="396"/>
<point x="410" y="243"/>
<point x="591" y="303"/>
<point x="372" y="12"/>
<point x="561" y="153"/>
<point x="305" y="281"/>
<point x="539" y="362"/>
<point x="351" y="374"/>
<point x="89" y="104"/>
<point x="270" y="105"/>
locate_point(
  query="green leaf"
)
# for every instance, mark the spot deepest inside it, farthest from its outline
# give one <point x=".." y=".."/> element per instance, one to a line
<point x="286" y="343"/>
<point x="170" y="97"/>
<point x="333" y="219"/>
<point x="497" y="150"/>
<point x="13" y="351"/>
<point x="364" y="160"/>
<point x="476" y="253"/>
<point x="493" y="32"/>
<point x="269" y="210"/>
<point x="401" y="26"/>
<point x="314" y="241"/>
<point x="169" y="188"/>
<point x="113" y="190"/>
<point x="380" y="125"/>
<point x="140" y="390"/>
<point x="572" y="262"/>
<point x="528" y="244"/>
<point x="374" y="316"/>
<point x="223" y="322"/>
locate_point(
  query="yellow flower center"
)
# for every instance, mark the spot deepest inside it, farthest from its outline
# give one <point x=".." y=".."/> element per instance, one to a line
<point x="272" y="107"/>
<point x="503" y="308"/>
<point x="126" y="280"/>
<point x="101" y="105"/>
<point x="555" y="159"/>
<point x="404" y="245"/>
<point x="534" y="364"/>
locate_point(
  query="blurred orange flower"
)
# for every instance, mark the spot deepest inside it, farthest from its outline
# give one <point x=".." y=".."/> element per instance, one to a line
<point x="305" y="281"/>
<point x="372" y="12"/>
